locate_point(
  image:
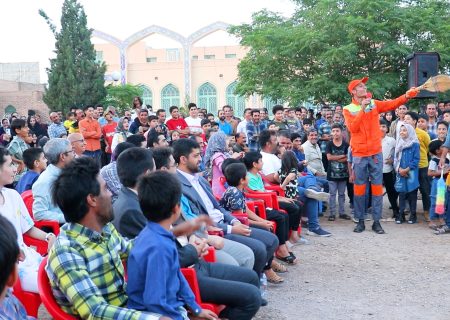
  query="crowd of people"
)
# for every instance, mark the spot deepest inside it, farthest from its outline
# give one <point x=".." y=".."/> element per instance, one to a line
<point x="141" y="195"/>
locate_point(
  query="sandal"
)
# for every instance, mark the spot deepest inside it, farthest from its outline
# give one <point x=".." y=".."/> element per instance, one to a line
<point x="278" y="267"/>
<point x="272" y="277"/>
<point x="331" y="218"/>
<point x="289" y="259"/>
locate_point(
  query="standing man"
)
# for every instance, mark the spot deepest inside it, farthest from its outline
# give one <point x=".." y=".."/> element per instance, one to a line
<point x="254" y="128"/>
<point x="362" y="119"/>
<point x="177" y="123"/>
<point x="56" y="129"/>
<point x="193" y="121"/>
<point x="92" y="133"/>
<point x="324" y="131"/>
<point x="278" y="117"/>
<point x="162" y="128"/>
<point x="242" y="126"/>
<point x="229" y="117"/>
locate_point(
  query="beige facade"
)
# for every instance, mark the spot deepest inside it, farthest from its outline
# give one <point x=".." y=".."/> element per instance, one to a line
<point x="212" y="75"/>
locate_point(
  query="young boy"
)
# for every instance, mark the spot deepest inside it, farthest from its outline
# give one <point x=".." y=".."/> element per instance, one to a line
<point x="434" y="172"/>
<point x="155" y="281"/>
<point x="10" y="306"/>
<point x="18" y="145"/>
<point x="108" y="131"/>
<point x="233" y="200"/>
<point x="36" y="162"/>
<point x="337" y="171"/>
<point x="388" y="149"/>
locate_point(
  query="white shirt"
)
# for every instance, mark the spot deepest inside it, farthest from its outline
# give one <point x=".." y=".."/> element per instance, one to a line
<point x="16" y="212"/>
<point x="215" y="214"/>
<point x="313" y="155"/>
<point x="388" y="147"/>
<point x="271" y="163"/>
<point x="194" y="124"/>
<point x="242" y="127"/>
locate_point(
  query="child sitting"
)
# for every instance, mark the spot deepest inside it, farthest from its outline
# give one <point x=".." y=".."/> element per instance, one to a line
<point x="434" y="172"/>
<point x="155" y="281"/>
<point x="36" y="162"/>
<point x="406" y="164"/>
<point x="233" y="200"/>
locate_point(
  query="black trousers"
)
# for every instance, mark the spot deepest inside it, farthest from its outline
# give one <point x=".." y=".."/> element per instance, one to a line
<point x="282" y="221"/>
<point x="294" y="211"/>
<point x="389" y="182"/>
<point x="236" y="287"/>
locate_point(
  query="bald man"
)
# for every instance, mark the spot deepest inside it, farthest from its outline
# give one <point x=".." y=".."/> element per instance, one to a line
<point x="56" y="129"/>
<point x="78" y="143"/>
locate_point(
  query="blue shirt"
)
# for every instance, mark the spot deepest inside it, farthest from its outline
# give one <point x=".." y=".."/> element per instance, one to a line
<point x="56" y="130"/>
<point x="26" y="182"/>
<point x="226" y="128"/>
<point x="155" y="281"/>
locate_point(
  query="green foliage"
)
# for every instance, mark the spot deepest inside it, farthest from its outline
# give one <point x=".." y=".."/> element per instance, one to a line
<point x="75" y="79"/>
<point x="326" y="43"/>
<point x="121" y="96"/>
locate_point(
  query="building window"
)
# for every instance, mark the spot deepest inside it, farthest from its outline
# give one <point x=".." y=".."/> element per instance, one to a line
<point x="147" y="95"/>
<point x="237" y="102"/>
<point x="209" y="56"/>
<point x="151" y="59"/>
<point x="194" y="57"/>
<point x="207" y="97"/>
<point x="230" y="55"/>
<point x="170" y="96"/>
<point x="99" y="56"/>
<point x="173" y="54"/>
<point x="269" y="103"/>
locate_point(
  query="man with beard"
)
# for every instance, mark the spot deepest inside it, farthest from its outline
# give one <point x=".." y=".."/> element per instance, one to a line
<point x="85" y="264"/>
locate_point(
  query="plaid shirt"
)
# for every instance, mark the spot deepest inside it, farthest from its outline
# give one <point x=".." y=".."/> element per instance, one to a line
<point x="87" y="276"/>
<point x="56" y="130"/>
<point x="109" y="174"/>
<point x="252" y="130"/>
<point x="324" y="128"/>
<point x="432" y="128"/>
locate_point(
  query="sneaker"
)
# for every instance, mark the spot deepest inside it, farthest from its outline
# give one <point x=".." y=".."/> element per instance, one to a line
<point x="300" y="241"/>
<point x="355" y="220"/>
<point x="319" y="232"/>
<point x="331" y="218"/>
<point x="344" y="216"/>
<point x="318" y="195"/>
<point x="445" y="229"/>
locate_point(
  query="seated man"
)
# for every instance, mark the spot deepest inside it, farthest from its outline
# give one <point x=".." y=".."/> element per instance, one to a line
<point x="201" y="201"/>
<point x="109" y="172"/>
<point x="155" y="281"/>
<point x="59" y="153"/>
<point x="10" y="306"/>
<point x="85" y="265"/>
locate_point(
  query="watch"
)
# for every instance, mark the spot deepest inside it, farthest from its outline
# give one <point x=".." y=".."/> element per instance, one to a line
<point x="48" y="235"/>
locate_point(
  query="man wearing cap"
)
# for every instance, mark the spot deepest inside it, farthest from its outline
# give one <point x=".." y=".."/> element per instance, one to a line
<point x="362" y="119"/>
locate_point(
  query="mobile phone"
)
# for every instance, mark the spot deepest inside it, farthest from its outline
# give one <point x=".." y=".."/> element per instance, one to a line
<point x="8" y="131"/>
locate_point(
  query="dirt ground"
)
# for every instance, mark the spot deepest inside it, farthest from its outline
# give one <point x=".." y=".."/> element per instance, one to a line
<point x="403" y="274"/>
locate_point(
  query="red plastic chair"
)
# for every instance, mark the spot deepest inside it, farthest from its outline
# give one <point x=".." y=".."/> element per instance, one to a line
<point x="191" y="277"/>
<point x="47" y="297"/>
<point x="40" y="246"/>
<point x="30" y="300"/>
<point x="27" y="197"/>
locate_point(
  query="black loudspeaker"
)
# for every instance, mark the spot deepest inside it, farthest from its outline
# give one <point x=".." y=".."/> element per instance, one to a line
<point x="422" y="66"/>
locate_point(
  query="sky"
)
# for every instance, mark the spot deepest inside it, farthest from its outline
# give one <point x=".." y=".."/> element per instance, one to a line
<point x="25" y="36"/>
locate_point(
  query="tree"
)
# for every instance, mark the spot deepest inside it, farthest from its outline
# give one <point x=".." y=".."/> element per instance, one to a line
<point x="326" y="43"/>
<point x="121" y="96"/>
<point x="75" y="79"/>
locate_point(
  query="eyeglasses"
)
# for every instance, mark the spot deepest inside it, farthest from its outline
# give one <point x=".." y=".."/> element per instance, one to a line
<point x="67" y="152"/>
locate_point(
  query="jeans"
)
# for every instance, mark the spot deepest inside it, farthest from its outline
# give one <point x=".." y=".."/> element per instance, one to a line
<point x="322" y="181"/>
<point x="310" y="206"/>
<point x="411" y="198"/>
<point x="337" y="187"/>
<point x="447" y="207"/>
<point x="365" y="168"/>
<point x="96" y="155"/>
<point x="389" y="181"/>
<point x="235" y="287"/>
<point x="424" y="187"/>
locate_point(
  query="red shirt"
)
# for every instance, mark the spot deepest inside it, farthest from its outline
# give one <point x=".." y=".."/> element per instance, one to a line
<point x="108" y="131"/>
<point x="177" y="124"/>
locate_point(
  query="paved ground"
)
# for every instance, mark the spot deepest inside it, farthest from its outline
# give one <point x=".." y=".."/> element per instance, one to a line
<point x="403" y="274"/>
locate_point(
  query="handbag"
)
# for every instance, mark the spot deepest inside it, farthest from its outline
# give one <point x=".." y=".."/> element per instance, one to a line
<point x="400" y="183"/>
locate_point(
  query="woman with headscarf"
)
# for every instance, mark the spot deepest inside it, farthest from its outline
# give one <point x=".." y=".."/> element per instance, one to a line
<point x="406" y="165"/>
<point x="215" y="154"/>
<point x="35" y="127"/>
<point x="121" y="132"/>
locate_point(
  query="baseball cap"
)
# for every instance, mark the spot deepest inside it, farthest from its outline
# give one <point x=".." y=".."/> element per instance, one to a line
<point x="355" y="82"/>
<point x="110" y="109"/>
